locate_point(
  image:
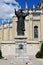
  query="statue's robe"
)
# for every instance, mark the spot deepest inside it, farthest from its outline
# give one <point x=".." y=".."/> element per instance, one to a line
<point x="20" y="23"/>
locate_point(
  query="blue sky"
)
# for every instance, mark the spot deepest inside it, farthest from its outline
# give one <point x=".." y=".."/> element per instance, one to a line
<point x="7" y="7"/>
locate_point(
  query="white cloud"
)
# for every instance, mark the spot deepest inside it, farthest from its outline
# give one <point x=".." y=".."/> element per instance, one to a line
<point x="7" y="11"/>
<point x="11" y="1"/>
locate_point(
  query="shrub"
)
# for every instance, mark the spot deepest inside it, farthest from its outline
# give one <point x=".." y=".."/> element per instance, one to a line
<point x="40" y="53"/>
<point x="1" y="55"/>
<point x="41" y="50"/>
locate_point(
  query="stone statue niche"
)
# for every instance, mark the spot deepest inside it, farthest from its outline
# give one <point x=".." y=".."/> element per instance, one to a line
<point x="20" y="23"/>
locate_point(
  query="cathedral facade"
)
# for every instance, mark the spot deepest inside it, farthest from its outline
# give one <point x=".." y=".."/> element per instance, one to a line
<point x="33" y="32"/>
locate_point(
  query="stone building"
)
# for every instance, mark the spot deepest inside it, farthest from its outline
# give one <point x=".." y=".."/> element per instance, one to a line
<point x="33" y="32"/>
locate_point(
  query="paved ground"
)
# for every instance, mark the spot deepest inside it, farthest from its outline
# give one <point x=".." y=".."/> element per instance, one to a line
<point x="32" y="61"/>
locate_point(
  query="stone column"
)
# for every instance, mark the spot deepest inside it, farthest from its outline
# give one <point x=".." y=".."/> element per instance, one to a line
<point x="27" y="27"/>
<point x="39" y="31"/>
<point x="8" y="31"/>
<point x="30" y="27"/>
<point x="41" y="27"/>
<point x="14" y="29"/>
<point x="2" y="32"/>
<point x="11" y="31"/>
<point x="1" y="38"/>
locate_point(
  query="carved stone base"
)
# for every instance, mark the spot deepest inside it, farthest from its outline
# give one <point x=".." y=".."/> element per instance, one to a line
<point x="21" y="59"/>
<point x="20" y="45"/>
<point x="20" y="49"/>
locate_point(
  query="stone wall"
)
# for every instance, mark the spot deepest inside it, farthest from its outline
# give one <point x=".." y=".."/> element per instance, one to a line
<point x="9" y="49"/>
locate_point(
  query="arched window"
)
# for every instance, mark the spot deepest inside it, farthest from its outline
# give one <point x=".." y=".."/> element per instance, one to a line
<point x="35" y="31"/>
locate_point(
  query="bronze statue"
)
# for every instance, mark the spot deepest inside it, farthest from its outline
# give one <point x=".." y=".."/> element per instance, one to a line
<point x="20" y="23"/>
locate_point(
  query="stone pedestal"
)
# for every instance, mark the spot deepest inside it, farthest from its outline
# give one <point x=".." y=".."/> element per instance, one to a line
<point x="21" y="50"/>
<point x="20" y="45"/>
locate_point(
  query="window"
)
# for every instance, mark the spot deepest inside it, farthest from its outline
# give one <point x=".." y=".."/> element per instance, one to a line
<point x="35" y="31"/>
<point x="36" y="13"/>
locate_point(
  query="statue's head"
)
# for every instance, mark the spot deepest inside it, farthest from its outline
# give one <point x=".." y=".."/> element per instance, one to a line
<point x="20" y="10"/>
